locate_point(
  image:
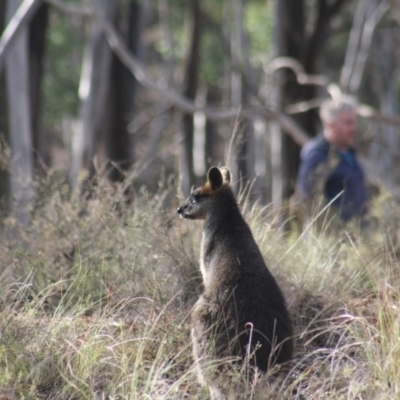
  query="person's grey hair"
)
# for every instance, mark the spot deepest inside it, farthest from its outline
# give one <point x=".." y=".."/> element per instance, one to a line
<point x="330" y="109"/>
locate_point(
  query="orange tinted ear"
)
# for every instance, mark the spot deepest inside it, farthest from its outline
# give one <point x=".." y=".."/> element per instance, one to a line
<point x="214" y="178"/>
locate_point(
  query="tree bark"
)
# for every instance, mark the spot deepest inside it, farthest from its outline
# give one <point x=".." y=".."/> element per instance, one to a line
<point x="293" y="41"/>
<point x="4" y="175"/>
<point x="18" y="90"/>
<point x="159" y="121"/>
<point x="123" y="90"/>
<point x="213" y="146"/>
<point x="93" y="91"/>
<point x="37" y="43"/>
<point x="290" y="41"/>
<point x="24" y="11"/>
<point x="241" y="74"/>
<point x="190" y="91"/>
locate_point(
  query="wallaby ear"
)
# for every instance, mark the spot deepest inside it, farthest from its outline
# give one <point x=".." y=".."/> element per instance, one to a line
<point x="214" y="178"/>
<point x="226" y="175"/>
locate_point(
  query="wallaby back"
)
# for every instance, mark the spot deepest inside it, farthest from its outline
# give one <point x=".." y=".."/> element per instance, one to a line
<point x="242" y="312"/>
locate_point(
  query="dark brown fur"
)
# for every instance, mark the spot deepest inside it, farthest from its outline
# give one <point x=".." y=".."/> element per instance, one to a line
<point x="242" y="311"/>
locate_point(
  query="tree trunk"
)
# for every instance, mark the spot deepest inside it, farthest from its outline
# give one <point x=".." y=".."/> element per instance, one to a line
<point x="37" y="41"/>
<point x="190" y="91"/>
<point x="385" y="146"/>
<point x="214" y="144"/>
<point x="4" y="175"/>
<point x="293" y="41"/>
<point x="93" y="92"/>
<point x="290" y="41"/>
<point x="18" y="90"/>
<point x="246" y="150"/>
<point x="123" y="91"/>
<point x="160" y="121"/>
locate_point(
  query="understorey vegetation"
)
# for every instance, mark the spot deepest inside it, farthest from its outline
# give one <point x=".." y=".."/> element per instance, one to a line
<point x="96" y="293"/>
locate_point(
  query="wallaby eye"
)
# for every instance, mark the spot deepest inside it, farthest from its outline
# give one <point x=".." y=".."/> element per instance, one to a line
<point x="193" y="200"/>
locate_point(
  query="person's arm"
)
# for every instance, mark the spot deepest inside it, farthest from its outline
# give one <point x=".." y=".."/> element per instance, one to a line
<point x="309" y="177"/>
<point x="314" y="171"/>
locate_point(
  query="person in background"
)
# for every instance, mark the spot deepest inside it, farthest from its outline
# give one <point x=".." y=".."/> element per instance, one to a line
<point x="329" y="166"/>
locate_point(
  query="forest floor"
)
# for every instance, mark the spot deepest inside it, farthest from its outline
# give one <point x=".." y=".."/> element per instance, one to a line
<point x="96" y="293"/>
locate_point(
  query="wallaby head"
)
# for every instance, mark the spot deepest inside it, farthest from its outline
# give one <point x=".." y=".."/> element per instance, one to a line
<point x="197" y="204"/>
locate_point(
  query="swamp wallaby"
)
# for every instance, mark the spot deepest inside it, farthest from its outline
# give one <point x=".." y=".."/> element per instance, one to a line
<point x="241" y="317"/>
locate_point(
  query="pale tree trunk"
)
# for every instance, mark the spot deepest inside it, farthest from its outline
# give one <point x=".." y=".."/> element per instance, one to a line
<point x="262" y="167"/>
<point x="20" y="118"/>
<point x="93" y="91"/>
<point x="214" y="143"/>
<point x="384" y="150"/>
<point x="353" y="44"/>
<point x="159" y="122"/>
<point x="238" y="150"/>
<point x="235" y="23"/>
<point x="375" y="12"/>
<point x="4" y="175"/>
<point x="189" y="92"/>
<point x="241" y="89"/>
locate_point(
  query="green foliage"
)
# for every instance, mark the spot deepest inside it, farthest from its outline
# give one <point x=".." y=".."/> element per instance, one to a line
<point x="213" y="58"/>
<point x="64" y="47"/>
<point x="179" y="36"/>
<point x="260" y="25"/>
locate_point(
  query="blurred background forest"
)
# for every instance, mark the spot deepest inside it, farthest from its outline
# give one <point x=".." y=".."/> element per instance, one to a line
<point x="171" y="87"/>
<point x="105" y="101"/>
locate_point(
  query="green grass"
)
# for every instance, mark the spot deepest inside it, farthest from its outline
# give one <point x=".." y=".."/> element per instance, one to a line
<point x="95" y="299"/>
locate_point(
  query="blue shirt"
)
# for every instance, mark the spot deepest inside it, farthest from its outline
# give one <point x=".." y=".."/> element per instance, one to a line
<point x="344" y="173"/>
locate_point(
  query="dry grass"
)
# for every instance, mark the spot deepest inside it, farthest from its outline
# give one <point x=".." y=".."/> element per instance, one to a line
<point x="95" y="296"/>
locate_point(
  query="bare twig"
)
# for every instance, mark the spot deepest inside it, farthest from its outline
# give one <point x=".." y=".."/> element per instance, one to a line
<point x="23" y="15"/>
<point x="303" y="106"/>
<point x="289" y="126"/>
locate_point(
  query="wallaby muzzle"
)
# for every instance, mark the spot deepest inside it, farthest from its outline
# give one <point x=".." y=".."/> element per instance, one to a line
<point x="181" y="211"/>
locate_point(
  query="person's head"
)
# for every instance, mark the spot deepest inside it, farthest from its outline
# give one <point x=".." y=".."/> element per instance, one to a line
<point x="340" y="123"/>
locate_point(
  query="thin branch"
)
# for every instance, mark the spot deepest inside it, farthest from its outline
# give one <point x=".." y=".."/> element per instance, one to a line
<point x="304" y="106"/>
<point x="297" y="68"/>
<point x="138" y="70"/>
<point x="363" y="110"/>
<point x="20" y="19"/>
<point x="369" y="112"/>
<point x="290" y="127"/>
<point x="70" y="8"/>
